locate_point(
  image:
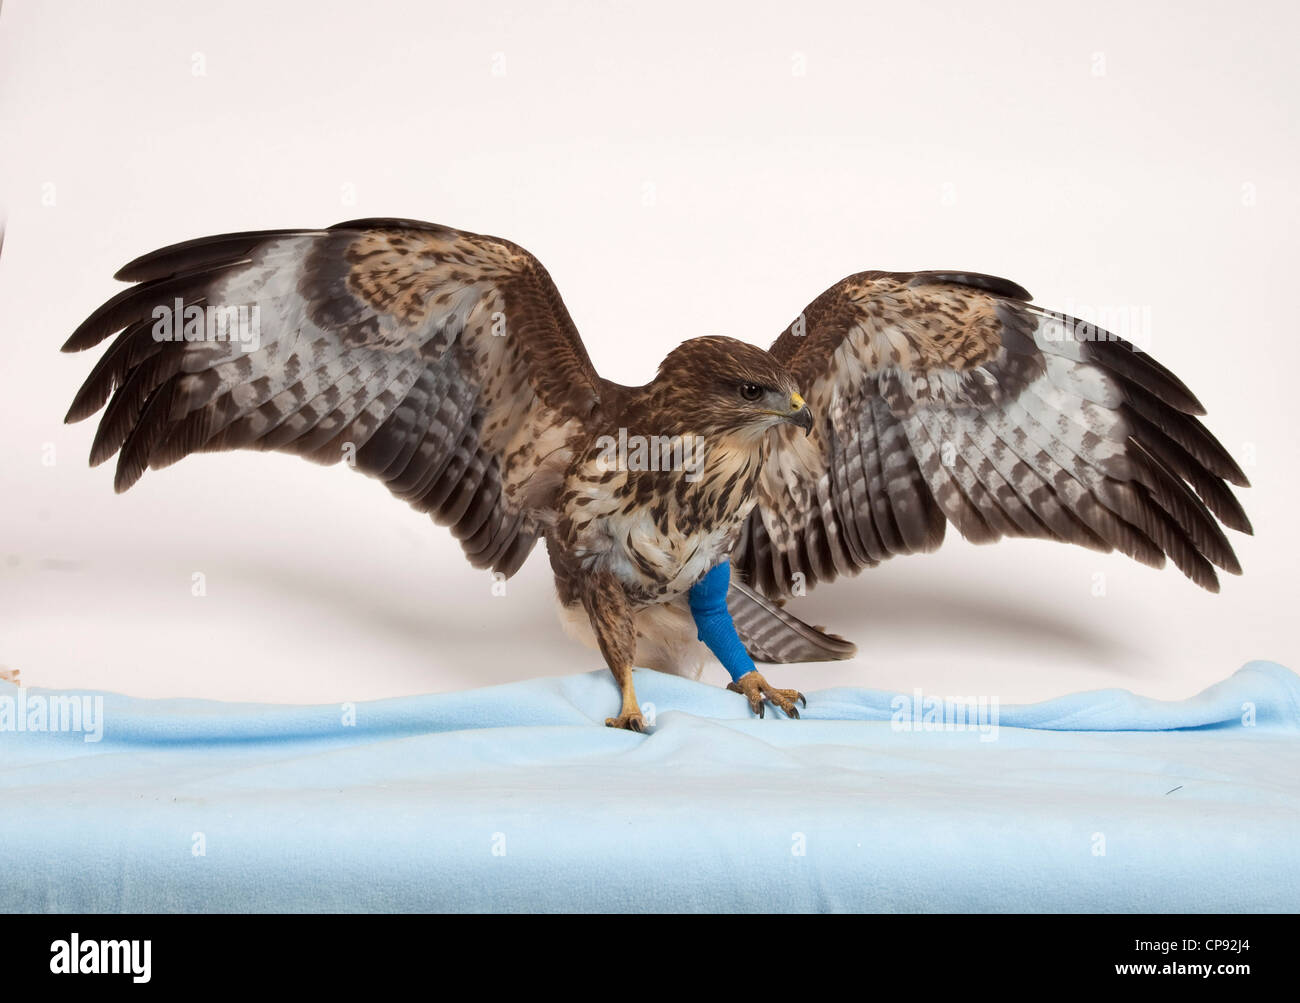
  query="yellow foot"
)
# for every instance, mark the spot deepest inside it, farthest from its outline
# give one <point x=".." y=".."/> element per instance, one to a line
<point x="756" y="690"/>
<point x="628" y="720"/>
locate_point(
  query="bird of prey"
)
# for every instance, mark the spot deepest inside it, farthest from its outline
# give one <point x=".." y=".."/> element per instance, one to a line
<point x="677" y="515"/>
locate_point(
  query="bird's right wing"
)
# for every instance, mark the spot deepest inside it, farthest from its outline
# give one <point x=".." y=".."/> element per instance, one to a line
<point x="441" y="362"/>
<point x="948" y="397"/>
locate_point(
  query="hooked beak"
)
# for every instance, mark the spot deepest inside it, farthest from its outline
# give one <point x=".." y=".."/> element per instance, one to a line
<point x="800" y="414"/>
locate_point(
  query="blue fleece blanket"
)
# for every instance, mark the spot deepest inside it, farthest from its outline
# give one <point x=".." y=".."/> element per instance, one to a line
<point x="516" y="798"/>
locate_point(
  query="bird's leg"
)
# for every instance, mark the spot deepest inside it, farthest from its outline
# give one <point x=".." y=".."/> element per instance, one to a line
<point x="611" y="620"/>
<point x="708" y="602"/>
<point x="756" y="689"/>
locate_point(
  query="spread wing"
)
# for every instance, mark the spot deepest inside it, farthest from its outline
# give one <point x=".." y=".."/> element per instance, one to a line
<point x="948" y="397"/>
<point x="442" y="363"/>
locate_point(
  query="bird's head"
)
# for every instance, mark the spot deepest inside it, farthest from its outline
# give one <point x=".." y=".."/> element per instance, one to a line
<point x="721" y="385"/>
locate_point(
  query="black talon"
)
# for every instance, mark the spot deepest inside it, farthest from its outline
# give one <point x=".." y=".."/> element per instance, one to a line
<point x="760" y="710"/>
<point x="804" y="700"/>
<point x="794" y="713"/>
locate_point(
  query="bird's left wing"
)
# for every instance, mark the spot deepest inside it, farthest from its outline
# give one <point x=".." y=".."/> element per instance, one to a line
<point x="948" y="397"/>
<point x="440" y="362"/>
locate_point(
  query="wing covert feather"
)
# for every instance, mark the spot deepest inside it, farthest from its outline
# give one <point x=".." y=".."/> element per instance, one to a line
<point x="949" y="397"/>
<point x="440" y="362"/>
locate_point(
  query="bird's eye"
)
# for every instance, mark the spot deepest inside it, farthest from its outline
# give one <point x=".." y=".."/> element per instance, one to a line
<point x="751" y="391"/>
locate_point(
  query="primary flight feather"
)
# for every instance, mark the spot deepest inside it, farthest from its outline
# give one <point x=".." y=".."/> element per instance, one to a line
<point x="444" y="364"/>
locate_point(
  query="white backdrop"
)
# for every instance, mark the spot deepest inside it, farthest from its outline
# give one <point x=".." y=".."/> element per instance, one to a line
<point x="682" y="169"/>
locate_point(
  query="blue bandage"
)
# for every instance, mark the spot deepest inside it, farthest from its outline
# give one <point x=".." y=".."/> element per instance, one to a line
<point x="708" y="599"/>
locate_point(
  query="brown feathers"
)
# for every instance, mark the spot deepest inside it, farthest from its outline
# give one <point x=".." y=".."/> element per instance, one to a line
<point x="428" y="358"/>
<point x="445" y="365"/>
<point x="946" y="395"/>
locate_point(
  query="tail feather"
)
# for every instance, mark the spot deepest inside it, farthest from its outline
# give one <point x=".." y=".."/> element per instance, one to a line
<point x="771" y="634"/>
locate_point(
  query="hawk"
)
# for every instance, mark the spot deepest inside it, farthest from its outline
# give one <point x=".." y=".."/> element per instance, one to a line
<point x="677" y="515"/>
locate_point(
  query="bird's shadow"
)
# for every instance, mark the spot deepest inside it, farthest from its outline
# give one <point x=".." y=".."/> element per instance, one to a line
<point x="908" y="613"/>
<point x="870" y="614"/>
<point x="419" y="618"/>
